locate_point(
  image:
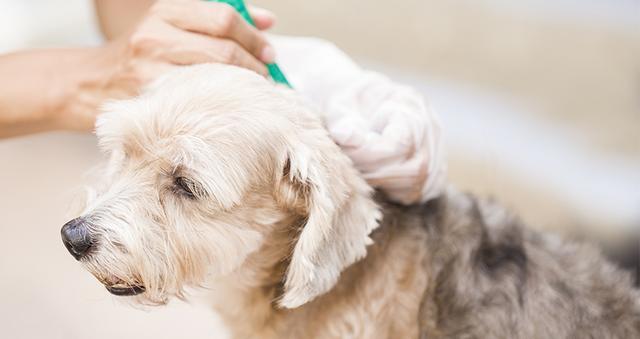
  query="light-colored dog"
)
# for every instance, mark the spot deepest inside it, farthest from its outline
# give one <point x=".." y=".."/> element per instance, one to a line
<point x="217" y="178"/>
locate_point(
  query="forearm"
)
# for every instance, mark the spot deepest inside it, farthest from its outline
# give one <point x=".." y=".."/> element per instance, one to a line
<point x="116" y="17"/>
<point x="43" y="90"/>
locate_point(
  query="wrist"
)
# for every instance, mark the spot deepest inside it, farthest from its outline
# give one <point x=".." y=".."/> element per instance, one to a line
<point x="77" y="94"/>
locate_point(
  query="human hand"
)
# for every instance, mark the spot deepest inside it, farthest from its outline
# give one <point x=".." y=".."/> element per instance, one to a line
<point x="183" y="32"/>
<point x="172" y="33"/>
<point x="387" y="129"/>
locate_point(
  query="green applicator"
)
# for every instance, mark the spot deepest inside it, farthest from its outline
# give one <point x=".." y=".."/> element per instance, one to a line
<point x="274" y="70"/>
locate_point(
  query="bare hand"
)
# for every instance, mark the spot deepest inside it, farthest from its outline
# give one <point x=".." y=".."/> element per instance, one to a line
<point x="174" y="33"/>
<point x="61" y="89"/>
<point x="184" y="32"/>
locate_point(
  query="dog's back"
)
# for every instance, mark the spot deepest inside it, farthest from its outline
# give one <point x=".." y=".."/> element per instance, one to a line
<point x="465" y="268"/>
<point x="490" y="277"/>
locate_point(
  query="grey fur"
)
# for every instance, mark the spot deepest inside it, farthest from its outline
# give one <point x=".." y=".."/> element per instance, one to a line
<point x="492" y="277"/>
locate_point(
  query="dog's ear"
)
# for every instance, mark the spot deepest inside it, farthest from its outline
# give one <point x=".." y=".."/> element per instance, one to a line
<point x="320" y="182"/>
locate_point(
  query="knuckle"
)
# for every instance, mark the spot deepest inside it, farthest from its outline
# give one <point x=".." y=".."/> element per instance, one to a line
<point x="227" y="19"/>
<point x="134" y="42"/>
<point x="140" y="42"/>
<point x="229" y="52"/>
<point x="256" y="46"/>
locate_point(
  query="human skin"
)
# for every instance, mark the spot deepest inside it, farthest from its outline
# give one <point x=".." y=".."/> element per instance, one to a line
<point x="62" y="89"/>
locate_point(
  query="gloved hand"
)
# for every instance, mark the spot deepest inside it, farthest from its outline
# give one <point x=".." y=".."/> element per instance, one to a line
<point x="387" y="129"/>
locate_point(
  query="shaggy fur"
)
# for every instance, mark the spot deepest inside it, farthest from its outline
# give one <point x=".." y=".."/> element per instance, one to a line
<point x="219" y="179"/>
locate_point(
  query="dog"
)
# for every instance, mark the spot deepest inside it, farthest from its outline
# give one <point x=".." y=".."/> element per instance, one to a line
<point x="216" y="178"/>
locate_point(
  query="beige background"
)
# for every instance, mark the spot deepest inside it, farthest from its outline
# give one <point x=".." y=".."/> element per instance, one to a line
<point x="540" y="100"/>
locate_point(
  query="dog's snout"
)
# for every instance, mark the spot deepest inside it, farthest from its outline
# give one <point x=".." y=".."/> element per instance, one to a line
<point x="76" y="237"/>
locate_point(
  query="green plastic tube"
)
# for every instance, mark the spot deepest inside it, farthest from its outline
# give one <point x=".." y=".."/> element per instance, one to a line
<point x="274" y="70"/>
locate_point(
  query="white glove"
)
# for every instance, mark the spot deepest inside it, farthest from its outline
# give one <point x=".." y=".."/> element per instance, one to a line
<point x="387" y="129"/>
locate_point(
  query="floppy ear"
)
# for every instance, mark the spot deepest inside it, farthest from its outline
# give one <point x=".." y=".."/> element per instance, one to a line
<point x="321" y="182"/>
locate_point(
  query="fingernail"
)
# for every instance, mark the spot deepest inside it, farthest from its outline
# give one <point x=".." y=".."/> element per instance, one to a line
<point x="263" y="12"/>
<point x="268" y="55"/>
<point x="265" y="72"/>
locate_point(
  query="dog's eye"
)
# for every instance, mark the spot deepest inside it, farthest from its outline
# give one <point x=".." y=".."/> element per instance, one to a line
<point x="187" y="187"/>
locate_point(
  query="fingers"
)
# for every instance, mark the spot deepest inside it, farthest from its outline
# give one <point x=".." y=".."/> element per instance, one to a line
<point x="263" y="18"/>
<point x="189" y="48"/>
<point x="233" y="54"/>
<point x="216" y="20"/>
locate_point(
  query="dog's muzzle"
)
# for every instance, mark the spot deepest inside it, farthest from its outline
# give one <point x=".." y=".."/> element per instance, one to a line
<point x="77" y="238"/>
<point x="79" y="241"/>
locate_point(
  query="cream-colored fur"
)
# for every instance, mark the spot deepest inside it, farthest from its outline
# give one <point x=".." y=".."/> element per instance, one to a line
<point x="261" y="167"/>
<point x="217" y="178"/>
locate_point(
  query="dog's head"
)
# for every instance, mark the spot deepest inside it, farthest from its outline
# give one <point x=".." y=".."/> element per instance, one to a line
<point x="204" y="167"/>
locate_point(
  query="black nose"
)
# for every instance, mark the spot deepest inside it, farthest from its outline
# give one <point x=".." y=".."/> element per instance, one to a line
<point x="76" y="237"/>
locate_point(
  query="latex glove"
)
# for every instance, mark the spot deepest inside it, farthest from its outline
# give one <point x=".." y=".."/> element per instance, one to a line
<point x="387" y="129"/>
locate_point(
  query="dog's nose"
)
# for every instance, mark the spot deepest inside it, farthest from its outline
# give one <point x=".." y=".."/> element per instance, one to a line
<point x="76" y="237"/>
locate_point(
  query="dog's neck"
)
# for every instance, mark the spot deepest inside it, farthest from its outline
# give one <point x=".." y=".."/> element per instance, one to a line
<point x="247" y="299"/>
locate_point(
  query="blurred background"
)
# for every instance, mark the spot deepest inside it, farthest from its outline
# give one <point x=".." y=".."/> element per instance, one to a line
<point x="540" y="101"/>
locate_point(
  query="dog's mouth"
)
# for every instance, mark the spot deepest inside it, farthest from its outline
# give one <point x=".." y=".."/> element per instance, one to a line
<point x="119" y="287"/>
<point x="124" y="289"/>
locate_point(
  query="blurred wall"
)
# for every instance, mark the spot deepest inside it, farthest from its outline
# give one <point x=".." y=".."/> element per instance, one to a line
<point x="575" y="61"/>
<point x="569" y="69"/>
